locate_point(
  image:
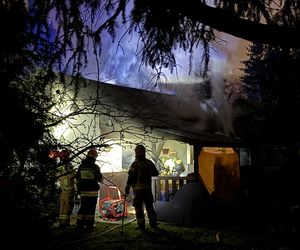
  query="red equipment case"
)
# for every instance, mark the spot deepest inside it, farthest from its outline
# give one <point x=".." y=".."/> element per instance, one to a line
<point x="113" y="208"/>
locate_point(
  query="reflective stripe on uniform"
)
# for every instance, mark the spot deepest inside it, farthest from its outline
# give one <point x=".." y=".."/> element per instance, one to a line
<point x="89" y="217"/>
<point x="140" y="186"/>
<point x="89" y="193"/>
<point x="86" y="217"/>
<point x="64" y="217"/>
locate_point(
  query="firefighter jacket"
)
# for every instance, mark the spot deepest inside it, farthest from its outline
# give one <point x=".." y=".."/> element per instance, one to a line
<point x="67" y="179"/>
<point x="140" y="173"/>
<point x="88" y="176"/>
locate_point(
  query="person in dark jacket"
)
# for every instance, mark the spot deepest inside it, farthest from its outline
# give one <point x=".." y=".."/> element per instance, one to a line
<point x="139" y="178"/>
<point x="88" y="177"/>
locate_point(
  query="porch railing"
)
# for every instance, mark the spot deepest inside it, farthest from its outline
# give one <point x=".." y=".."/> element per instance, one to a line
<point x="165" y="187"/>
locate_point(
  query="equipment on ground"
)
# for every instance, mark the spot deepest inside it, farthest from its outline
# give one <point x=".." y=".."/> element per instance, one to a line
<point x="113" y="207"/>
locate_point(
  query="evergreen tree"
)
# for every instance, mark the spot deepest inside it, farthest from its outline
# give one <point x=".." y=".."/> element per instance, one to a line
<point x="271" y="85"/>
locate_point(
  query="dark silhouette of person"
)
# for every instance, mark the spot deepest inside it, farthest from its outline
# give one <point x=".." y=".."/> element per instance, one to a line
<point x="139" y="178"/>
<point x="88" y="177"/>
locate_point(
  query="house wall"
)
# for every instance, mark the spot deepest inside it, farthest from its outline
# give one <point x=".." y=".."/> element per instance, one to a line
<point x="117" y="179"/>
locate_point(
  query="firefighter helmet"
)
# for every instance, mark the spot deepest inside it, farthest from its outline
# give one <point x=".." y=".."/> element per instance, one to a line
<point x="64" y="154"/>
<point x="53" y="154"/>
<point x="140" y="150"/>
<point x="93" y="153"/>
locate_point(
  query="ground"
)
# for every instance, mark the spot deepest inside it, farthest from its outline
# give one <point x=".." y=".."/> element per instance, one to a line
<point x="112" y="236"/>
<point x="123" y="235"/>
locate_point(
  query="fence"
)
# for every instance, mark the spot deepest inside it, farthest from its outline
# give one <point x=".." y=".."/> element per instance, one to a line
<point x="165" y="187"/>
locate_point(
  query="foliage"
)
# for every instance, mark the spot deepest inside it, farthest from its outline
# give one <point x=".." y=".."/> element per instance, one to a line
<point x="27" y="184"/>
<point x="271" y="85"/>
<point x="55" y="35"/>
<point x="65" y="29"/>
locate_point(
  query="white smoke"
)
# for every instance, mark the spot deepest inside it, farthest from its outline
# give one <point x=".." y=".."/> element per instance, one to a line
<point x="120" y="64"/>
<point x="222" y="106"/>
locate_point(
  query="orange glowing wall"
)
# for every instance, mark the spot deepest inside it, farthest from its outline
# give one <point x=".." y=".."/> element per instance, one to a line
<point x="219" y="171"/>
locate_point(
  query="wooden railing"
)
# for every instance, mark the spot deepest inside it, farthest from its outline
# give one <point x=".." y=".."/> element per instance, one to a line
<point x="165" y="187"/>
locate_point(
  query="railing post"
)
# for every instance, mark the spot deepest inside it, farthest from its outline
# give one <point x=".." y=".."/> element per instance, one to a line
<point x="158" y="185"/>
<point x="167" y="193"/>
<point x="162" y="184"/>
<point x="180" y="183"/>
<point x="174" y="187"/>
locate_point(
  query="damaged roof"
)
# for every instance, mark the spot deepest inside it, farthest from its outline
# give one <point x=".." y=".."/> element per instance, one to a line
<point x="166" y="115"/>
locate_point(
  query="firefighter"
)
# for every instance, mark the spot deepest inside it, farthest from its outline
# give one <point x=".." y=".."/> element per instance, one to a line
<point x="139" y="178"/>
<point x="66" y="182"/>
<point x="88" y="177"/>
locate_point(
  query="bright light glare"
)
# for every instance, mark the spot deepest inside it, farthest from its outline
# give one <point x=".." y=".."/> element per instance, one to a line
<point x="170" y="163"/>
<point x="62" y="127"/>
<point x="111" y="161"/>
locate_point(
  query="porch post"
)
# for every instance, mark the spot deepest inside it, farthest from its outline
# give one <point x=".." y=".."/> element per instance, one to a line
<point x="197" y="150"/>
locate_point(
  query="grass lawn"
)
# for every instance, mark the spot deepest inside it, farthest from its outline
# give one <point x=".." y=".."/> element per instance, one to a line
<point x="115" y="236"/>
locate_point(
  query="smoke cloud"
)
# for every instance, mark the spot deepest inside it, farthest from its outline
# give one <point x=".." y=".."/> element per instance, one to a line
<point x="121" y="64"/>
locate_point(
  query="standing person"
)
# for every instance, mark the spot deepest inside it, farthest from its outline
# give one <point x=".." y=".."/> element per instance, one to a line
<point x="88" y="177"/>
<point x="66" y="181"/>
<point x="139" y="178"/>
